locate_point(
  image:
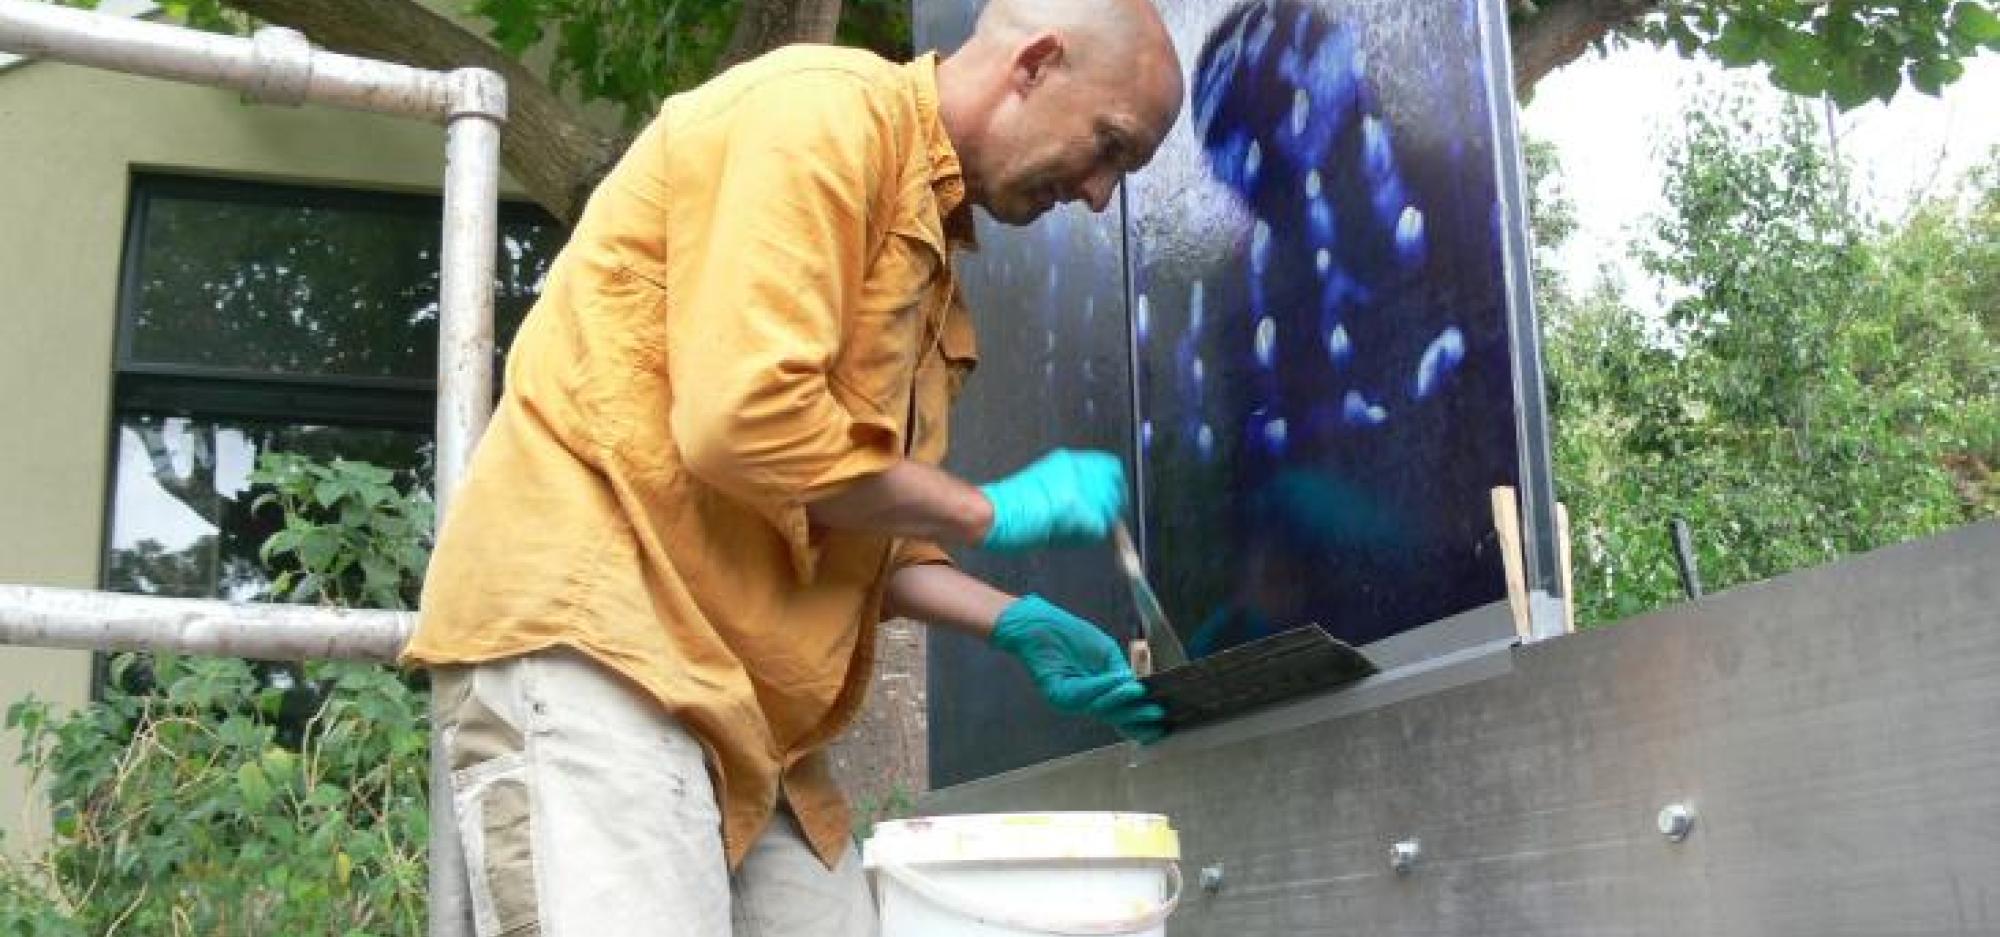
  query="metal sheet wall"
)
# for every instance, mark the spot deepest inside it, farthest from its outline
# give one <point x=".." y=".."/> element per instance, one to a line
<point x="1836" y="733"/>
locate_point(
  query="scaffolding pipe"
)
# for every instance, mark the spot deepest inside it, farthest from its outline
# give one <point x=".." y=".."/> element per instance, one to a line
<point x="280" y="66"/>
<point x="465" y="401"/>
<point x="277" y="66"/>
<point x="465" y="288"/>
<point x="111" y="621"/>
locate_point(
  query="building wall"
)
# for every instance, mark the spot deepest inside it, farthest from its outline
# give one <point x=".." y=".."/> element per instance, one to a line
<point x="69" y="140"/>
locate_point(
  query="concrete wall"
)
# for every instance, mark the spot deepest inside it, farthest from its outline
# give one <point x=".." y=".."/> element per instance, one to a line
<point x="1835" y="731"/>
<point x="69" y="140"/>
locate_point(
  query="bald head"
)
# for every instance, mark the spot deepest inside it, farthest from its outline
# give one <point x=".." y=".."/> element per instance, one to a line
<point x="1053" y="101"/>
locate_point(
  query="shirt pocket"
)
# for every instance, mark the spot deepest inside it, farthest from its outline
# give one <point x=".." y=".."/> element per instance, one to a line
<point x="950" y="361"/>
<point x="618" y="366"/>
<point x="873" y="374"/>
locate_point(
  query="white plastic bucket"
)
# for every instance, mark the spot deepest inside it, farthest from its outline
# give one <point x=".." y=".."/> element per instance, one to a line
<point x="1025" y="874"/>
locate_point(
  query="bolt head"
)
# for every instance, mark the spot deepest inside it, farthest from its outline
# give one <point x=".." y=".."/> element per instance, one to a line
<point x="1676" y="821"/>
<point x="1211" y="878"/>
<point x="1403" y="855"/>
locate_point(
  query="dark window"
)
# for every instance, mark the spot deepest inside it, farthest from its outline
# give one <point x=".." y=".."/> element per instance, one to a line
<point x="256" y="318"/>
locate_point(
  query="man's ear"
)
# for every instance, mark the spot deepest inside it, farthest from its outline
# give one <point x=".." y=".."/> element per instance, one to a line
<point x="1035" y="59"/>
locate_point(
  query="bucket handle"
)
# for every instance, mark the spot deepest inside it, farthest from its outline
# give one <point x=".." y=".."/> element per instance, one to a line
<point x="957" y="901"/>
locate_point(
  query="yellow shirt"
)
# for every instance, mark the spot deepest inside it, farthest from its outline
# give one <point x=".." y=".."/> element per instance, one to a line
<point x="756" y="307"/>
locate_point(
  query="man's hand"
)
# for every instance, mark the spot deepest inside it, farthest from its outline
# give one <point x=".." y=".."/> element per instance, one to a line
<point x="1066" y="498"/>
<point x="1077" y="667"/>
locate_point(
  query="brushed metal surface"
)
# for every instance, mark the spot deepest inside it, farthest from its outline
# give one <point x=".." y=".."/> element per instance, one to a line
<point x="1836" y="731"/>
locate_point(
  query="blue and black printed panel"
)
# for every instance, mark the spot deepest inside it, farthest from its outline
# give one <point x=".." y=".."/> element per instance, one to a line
<point x="1049" y="302"/>
<point x="1309" y="283"/>
<point x="1325" y="395"/>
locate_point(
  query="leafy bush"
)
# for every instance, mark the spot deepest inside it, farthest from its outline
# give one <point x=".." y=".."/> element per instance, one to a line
<point x="1817" y="387"/>
<point x="202" y="796"/>
<point x="350" y="537"/>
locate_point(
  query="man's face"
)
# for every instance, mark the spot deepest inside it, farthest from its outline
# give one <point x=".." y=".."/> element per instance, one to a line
<point x="1071" y="135"/>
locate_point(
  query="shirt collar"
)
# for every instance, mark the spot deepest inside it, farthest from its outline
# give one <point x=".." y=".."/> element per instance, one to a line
<point x="947" y="174"/>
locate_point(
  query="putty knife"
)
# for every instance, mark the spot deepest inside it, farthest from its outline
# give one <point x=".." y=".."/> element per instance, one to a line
<point x="1161" y="640"/>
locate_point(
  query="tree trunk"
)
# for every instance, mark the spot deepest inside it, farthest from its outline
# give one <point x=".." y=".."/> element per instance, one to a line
<point x="763" y="25"/>
<point x="546" y="145"/>
<point x="1557" y="33"/>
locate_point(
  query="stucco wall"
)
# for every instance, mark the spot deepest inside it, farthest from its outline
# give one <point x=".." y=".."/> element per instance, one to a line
<point x="69" y="140"/>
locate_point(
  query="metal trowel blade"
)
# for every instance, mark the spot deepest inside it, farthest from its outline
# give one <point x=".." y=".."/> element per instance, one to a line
<point x="1161" y="639"/>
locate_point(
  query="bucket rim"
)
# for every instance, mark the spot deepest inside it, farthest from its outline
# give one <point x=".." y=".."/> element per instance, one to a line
<point x="1021" y="837"/>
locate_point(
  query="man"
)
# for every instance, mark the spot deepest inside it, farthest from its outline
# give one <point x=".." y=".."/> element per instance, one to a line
<point x="713" y="471"/>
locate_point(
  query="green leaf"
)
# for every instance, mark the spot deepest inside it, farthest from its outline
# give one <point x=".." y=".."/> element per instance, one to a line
<point x="516" y="23"/>
<point x="1848" y="88"/>
<point x="368" y="472"/>
<point x="1976" y="23"/>
<point x="254" y="786"/>
<point x="1930" y="77"/>
<point x="326" y="796"/>
<point x="318" y="547"/>
<point x="1738" y="45"/>
<point x="1885" y="75"/>
<point x="379" y="573"/>
<point x="284" y="541"/>
<point x="329" y="492"/>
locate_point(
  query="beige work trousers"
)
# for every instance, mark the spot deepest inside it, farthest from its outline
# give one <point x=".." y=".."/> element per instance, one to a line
<point x="586" y="811"/>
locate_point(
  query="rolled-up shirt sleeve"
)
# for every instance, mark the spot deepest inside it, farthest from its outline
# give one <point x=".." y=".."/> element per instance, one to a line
<point x="919" y="553"/>
<point x="760" y="294"/>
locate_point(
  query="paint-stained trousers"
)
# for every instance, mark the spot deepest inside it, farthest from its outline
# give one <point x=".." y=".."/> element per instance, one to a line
<point x="587" y="811"/>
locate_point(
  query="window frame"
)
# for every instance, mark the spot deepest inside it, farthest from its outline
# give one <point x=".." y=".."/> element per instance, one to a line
<point x="226" y="394"/>
<point x="244" y="393"/>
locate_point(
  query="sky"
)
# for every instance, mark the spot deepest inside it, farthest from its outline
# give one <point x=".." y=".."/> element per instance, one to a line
<point x="1607" y="116"/>
<point x="146" y="511"/>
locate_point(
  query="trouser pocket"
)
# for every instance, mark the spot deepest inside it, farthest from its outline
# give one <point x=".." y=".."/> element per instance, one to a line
<point x="487" y="745"/>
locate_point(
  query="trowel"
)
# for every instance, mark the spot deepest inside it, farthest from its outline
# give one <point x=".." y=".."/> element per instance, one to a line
<point x="1269" y="670"/>
<point x="1162" y="643"/>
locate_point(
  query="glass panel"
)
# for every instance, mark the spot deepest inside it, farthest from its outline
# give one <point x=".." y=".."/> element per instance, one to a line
<point x="1055" y="370"/>
<point x="309" y="282"/>
<point x="1321" y="315"/>
<point x="181" y="523"/>
<point x="1316" y="333"/>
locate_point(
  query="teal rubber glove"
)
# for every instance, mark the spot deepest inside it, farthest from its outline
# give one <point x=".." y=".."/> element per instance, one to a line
<point x="1077" y="667"/>
<point x="1066" y="498"/>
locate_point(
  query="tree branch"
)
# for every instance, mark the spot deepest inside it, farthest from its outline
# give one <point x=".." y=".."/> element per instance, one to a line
<point x="560" y="159"/>
<point x="1556" y="34"/>
<point x="195" y="489"/>
<point x="545" y="145"/>
<point x="763" y="25"/>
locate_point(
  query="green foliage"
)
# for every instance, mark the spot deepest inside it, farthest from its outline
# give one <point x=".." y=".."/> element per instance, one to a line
<point x="1553" y="219"/>
<point x="211" y="15"/>
<point x="1818" y="388"/>
<point x="350" y="537"/>
<point x="202" y="796"/>
<point x="1853" y="51"/>
<point x="630" y="52"/>
<point x="894" y="804"/>
<point x="634" y="53"/>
